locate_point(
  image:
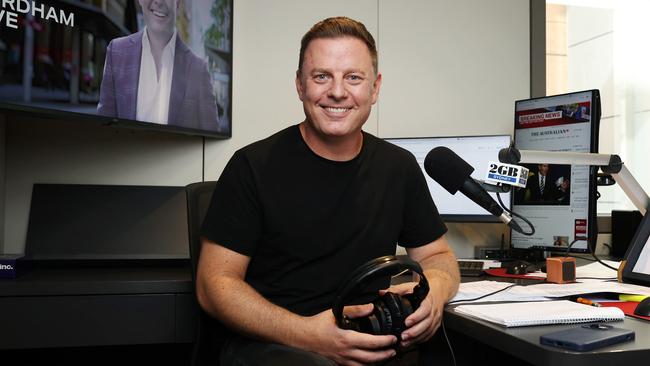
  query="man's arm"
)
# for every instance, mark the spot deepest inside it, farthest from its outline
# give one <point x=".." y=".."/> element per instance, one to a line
<point x="441" y="269"/>
<point x="223" y="293"/>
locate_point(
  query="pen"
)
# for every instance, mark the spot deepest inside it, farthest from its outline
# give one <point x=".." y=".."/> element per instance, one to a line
<point x="587" y="302"/>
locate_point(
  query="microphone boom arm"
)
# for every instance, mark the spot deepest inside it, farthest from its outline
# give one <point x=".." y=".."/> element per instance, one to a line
<point x="610" y="164"/>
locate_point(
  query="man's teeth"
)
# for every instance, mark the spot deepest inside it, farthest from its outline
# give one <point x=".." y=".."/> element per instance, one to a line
<point x="336" y="110"/>
<point x="158" y="14"/>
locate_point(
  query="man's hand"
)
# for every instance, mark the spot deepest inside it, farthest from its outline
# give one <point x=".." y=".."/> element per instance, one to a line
<point x="346" y="347"/>
<point x="423" y="323"/>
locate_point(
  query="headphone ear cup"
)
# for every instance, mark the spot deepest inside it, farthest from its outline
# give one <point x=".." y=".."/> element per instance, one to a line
<point x="373" y="323"/>
<point x="384" y="317"/>
<point x="417" y="296"/>
<point x="394" y="304"/>
<point x="407" y="306"/>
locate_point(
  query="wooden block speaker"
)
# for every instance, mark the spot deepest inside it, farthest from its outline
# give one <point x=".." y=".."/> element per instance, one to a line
<point x="561" y="269"/>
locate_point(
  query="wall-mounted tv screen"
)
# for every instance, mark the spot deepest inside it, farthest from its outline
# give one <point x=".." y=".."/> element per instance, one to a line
<point x="157" y="64"/>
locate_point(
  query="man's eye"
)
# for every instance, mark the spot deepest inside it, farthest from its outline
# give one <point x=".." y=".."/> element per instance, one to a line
<point x="320" y="77"/>
<point x="354" y="77"/>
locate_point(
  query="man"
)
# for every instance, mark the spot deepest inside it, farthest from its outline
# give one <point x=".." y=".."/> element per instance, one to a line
<point x="544" y="188"/>
<point x="540" y="187"/>
<point x="296" y="213"/>
<point x="152" y="76"/>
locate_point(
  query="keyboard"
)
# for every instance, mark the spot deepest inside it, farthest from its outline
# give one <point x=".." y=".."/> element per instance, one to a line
<point x="470" y="268"/>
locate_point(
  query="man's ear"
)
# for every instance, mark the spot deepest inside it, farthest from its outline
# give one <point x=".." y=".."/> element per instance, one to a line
<point x="376" y="85"/>
<point x="299" y="86"/>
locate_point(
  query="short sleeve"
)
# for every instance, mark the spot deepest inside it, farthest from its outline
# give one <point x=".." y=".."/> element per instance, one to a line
<point x="422" y="223"/>
<point x="234" y="218"/>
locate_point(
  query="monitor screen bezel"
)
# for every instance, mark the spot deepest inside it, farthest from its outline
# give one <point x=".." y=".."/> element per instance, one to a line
<point x="455" y="218"/>
<point x="12" y="109"/>
<point x="634" y="252"/>
<point x="595" y="112"/>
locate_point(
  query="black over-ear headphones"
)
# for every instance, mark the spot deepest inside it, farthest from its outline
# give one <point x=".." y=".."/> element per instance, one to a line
<point x="390" y="309"/>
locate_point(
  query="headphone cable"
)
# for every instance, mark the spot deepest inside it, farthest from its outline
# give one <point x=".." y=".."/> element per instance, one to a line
<point x="444" y="332"/>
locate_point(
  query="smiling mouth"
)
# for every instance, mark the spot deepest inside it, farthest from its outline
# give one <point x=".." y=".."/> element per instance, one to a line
<point x="337" y="109"/>
<point x="158" y="13"/>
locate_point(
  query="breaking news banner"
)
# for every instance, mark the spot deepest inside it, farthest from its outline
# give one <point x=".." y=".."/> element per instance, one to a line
<point x="11" y="8"/>
<point x="509" y="174"/>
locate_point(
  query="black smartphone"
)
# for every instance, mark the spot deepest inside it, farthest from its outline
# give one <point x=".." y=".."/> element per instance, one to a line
<point x="587" y="337"/>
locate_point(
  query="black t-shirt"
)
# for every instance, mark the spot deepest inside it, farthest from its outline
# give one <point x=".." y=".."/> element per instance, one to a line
<point x="308" y="222"/>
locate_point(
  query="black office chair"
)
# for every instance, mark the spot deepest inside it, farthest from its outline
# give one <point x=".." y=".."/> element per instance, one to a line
<point x="210" y="333"/>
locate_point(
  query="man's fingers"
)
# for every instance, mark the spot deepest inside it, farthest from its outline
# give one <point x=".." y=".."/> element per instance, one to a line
<point x="358" y="311"/>
<point x="420" y="314"/>
<point x="354" y="339"/>
<point x="401" y="289"/>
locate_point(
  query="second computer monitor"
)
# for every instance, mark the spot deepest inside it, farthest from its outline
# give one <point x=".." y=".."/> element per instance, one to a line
<point x="478" y="151"/>
<point x="559" y="200"/>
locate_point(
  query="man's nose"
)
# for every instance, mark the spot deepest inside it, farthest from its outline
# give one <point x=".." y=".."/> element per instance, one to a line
<point x="338" y="90"/>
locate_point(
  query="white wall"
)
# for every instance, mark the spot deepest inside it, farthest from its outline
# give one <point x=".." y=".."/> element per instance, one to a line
<point x="452" y="67"/>
<point x="449" y="68"/>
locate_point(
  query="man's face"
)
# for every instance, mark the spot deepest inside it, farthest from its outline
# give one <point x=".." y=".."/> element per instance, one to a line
<point x="159" y="15"/>
<point x="543" y="169"/>
<point x="337" y="85"/>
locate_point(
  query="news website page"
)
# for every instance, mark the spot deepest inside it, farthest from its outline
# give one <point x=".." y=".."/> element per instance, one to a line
<point x="556" y="196"/>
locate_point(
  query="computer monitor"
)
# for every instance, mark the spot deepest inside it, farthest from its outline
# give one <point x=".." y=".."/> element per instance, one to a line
<point x="637" y="268"/>
<point x="79" y="222"/>
<point x="478" y="151"/>
<point x="559" y="200"/>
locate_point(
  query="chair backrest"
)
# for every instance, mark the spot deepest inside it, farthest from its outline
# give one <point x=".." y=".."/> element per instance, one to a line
<point x="199" y="196"/>
<point x="210" y="333"/>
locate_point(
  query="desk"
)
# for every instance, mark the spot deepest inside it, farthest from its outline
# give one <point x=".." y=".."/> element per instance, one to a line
<point x="523" y="342"/>
<point x="77" y="307"/>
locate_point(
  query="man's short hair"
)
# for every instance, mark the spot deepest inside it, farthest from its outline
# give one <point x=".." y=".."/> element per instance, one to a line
<point x="339" y="27"/>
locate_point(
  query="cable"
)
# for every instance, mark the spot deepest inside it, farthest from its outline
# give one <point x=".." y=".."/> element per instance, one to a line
<point x="486" y="295"/>
<point x="530" y="224"/>
<point x="608" y="246"/>
<point x="591" y="251"/>
<point x="444" y="332"/>
<point x="583" y="258"/>
<point x="601" y="262"/>
<point x="575" y="241"/>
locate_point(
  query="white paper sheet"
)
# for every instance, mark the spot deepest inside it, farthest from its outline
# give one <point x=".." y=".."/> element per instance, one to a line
<point x="542" y="291"/>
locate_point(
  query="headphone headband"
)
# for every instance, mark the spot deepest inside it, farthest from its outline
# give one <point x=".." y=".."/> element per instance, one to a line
<point x="382" y="266"/>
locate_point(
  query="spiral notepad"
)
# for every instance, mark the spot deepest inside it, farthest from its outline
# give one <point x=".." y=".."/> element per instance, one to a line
<point x="522" y="314"/>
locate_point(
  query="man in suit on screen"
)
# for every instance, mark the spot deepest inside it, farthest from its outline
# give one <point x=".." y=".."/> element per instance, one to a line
<point x="152" y="76"/>
<point x="546" y="188"/>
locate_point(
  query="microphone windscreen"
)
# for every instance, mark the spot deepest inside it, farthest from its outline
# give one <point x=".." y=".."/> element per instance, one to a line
<point x="509" y="155"/>
<point x="447" y="168"/>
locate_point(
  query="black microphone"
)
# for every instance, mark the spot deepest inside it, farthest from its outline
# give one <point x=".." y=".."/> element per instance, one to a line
<point x="453" y="174"/>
